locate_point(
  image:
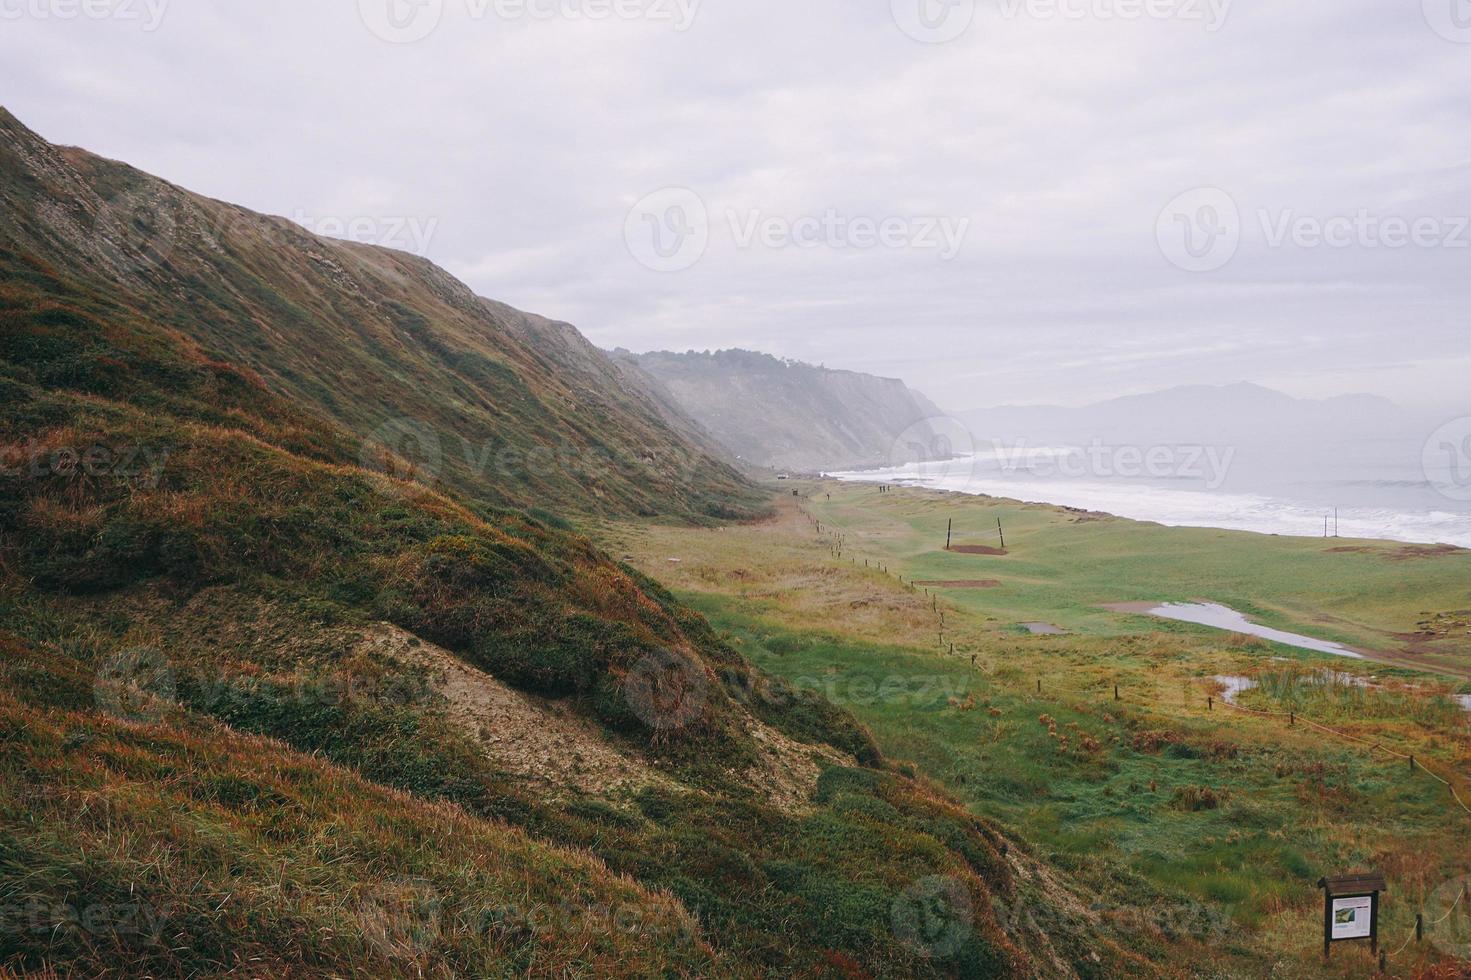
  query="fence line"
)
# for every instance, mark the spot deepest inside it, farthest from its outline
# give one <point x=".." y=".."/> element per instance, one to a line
<point x="839" y="534"/>
<point x="1271" y="714"/>
<point x="1373" y="745"/>
<point x="1421" y="924"/>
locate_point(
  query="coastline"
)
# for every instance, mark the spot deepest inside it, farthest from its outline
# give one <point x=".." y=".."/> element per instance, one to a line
<point x="1257" y="513"/>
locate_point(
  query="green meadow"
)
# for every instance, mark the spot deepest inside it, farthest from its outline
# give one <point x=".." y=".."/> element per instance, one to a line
<point x="1190" y="821"/>
<point x="1062" y="566"/>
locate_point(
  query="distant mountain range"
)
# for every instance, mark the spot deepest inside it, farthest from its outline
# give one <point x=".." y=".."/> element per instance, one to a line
<point x="771" y="412"/>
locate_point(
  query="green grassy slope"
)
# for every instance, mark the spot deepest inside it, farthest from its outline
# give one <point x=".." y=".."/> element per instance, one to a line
<point x="1063" y="567"/>
<point x="201" y="723"/>
<point x="188" y="848"/>
<point x="504" y="407"/>
<point x="1206" y="826"/>
<point x="233" y="507"/>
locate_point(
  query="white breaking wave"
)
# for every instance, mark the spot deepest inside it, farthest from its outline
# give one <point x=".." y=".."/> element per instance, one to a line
<point x="1176" y="507"/>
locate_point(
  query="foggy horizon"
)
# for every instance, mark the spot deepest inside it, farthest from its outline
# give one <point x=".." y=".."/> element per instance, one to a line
<point x="865" y="203"/>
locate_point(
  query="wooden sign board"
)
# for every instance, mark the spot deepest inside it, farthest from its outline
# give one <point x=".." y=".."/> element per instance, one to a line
<point x="1351" y="909"/>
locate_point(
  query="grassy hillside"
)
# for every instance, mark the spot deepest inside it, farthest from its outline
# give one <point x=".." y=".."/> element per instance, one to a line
<point x="1206" y="828"/>
<point x="230" y="561"/>
<point x="501" y="406"/>
<point x="188" y="848"/>
<point x="274" y="702"/>
<point x="254" y="579"/>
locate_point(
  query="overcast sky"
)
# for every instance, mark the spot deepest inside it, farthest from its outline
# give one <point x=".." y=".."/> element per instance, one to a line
<point x="985" y="200"/>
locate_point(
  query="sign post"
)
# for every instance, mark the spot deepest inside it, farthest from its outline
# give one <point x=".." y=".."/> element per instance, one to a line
<point x="1351" y="909"/>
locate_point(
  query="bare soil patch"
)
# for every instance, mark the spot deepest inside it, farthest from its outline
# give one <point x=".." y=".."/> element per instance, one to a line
<point x="1406" y="552"/>
<point x="969" y="583"/>
<point x="1082" y="516"/>
<point x="536" y="739"/>
<point x="977" y="549"/>
<point x="1044" y="629"/>
<point x="1412" y="551"/>
<point x="546" y="742"/>
<point x="787" y="770"/>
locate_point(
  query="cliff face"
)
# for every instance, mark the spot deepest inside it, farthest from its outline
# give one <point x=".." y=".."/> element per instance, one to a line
<point x="785" y="414"/>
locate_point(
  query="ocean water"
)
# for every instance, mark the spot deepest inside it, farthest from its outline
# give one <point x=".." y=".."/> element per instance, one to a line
<point x="1377" y="491"/>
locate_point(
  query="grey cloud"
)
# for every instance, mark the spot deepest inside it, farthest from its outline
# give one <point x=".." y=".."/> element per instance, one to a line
<point x="1061" y="141"/>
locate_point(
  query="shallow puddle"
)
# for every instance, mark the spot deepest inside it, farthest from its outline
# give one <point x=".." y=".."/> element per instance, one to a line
<point x="1224" y="618"/>
<point x="1234" y="685"/>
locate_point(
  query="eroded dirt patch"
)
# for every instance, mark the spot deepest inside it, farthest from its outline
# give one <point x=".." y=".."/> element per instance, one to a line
<point x="530" y="737"/>
<point x="1439" y="626"/>
<point x="974" y="583"/>
<point x="546" y="742"/>
<point x="788" y="770"/>
<point x="1407" y="552"/>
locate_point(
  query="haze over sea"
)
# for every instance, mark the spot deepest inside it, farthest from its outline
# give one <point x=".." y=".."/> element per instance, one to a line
<point x="1380" y="488"/>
